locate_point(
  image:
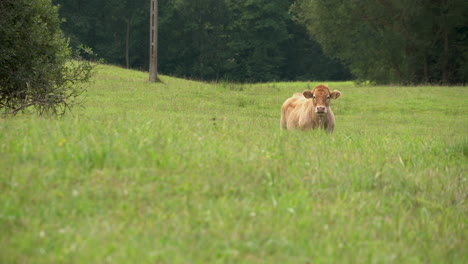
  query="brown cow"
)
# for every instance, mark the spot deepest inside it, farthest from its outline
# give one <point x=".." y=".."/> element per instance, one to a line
<point x="309" y="110"/>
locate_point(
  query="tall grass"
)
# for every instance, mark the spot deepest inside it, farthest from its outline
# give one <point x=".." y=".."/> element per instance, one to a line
<point x="191" y="172"/>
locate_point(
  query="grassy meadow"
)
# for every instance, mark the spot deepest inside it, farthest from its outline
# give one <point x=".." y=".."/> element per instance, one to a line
<point x="192" y="172"/>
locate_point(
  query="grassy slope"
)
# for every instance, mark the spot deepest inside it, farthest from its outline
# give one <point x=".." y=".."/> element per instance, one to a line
<point x="189" y="172"/>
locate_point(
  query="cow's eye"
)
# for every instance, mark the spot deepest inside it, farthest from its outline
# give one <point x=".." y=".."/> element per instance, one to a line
<point x="328" y="97"/>
<point x="313" y="96"/>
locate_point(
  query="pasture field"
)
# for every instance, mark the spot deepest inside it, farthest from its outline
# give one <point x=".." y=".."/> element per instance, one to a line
<point x="192" y="172"/>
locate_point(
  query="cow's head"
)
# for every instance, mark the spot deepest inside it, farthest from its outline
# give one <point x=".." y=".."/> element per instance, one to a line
<point x="321" y="97"/>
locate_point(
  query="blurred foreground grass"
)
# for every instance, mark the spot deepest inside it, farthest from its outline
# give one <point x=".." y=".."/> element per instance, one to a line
<point x="192" y="172"/>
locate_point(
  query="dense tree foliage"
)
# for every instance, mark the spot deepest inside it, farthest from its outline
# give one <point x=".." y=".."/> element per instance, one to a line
<point x="258" y="38"/>
<point x="36" y="67"/>
<point x="114" y="28"/>
<point x="245" y="40"/>
<point x="393" y="41"/>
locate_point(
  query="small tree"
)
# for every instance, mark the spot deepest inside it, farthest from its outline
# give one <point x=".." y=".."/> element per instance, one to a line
<point x="37" y="68"/>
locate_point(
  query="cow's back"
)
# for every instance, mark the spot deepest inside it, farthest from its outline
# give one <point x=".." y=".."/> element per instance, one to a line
<point x="292" y="111"/>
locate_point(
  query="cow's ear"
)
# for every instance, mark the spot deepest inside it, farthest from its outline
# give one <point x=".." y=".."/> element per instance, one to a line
<point x="335" y="94"/>
<point x="307" y="93"/>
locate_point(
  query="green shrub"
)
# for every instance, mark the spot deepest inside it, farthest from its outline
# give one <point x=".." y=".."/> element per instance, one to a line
<point x="37" y="67"/>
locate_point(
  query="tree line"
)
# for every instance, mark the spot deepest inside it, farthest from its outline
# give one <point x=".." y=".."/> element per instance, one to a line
<point x="382" y="41"/>
<point x="393" y="41"/>
<point x="231" y="40"/>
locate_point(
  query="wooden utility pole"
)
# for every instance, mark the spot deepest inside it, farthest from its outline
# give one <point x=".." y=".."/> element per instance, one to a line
<point x="127" y="44"/>
<point x="153" y="67"/>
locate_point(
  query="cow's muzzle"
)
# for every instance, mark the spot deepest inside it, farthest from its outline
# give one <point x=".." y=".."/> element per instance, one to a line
<point x="320" y="109"/>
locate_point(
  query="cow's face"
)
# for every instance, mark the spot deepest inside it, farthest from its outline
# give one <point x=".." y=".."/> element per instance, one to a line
<point x="321" y="97"/>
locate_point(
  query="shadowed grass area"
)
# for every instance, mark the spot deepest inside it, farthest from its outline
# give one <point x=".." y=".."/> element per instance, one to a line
<point x="191" y="172"/>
